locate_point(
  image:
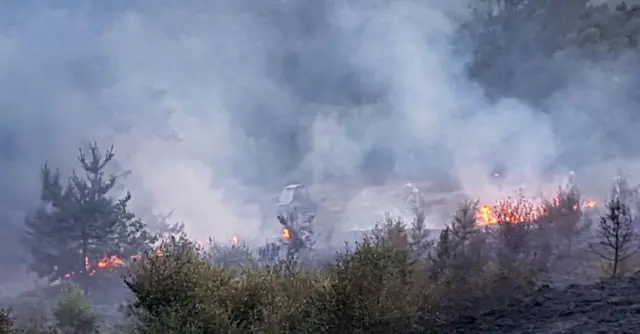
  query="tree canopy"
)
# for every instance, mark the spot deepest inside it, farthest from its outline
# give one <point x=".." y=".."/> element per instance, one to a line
<point x="78" y="226"/>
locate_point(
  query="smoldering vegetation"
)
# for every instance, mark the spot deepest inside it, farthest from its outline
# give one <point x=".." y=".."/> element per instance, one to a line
<point x="213" y="107"/>
<point x="472" y="276"/>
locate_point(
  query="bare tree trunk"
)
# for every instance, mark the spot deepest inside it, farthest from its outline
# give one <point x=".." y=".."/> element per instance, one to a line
<point x="616" y="251"/>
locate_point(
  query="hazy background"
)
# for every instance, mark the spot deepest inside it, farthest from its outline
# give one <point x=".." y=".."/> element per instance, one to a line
<point x="213" y="104"/>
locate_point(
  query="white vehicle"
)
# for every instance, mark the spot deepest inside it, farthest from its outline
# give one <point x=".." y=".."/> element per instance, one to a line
<point x="295" y="198"/>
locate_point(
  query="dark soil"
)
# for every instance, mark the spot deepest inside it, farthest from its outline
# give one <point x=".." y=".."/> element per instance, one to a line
<point x="610" y="306"/>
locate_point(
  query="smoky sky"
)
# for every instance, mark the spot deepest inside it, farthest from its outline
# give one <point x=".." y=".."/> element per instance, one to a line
<point x="213" y="104"/>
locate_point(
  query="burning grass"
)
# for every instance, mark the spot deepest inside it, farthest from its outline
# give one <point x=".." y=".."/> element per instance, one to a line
<point x="113" y="263"/>
<point x="521" y="209"/>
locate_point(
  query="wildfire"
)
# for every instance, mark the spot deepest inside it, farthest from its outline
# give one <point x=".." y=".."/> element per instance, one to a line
<point x="102" y="263"/>
<point x="485" y="214"/>
<point x="112" y="261"/>
<point x="286" y="234"/>
<point x="518" y="211"/>
<point x="235" y="241"/>
<point x="116" y="261"/>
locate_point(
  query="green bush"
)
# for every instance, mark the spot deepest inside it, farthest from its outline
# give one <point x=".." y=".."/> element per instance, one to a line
<point x="74" y="314"/>
<point x="399" y="278"/>
<point x="71" y="314"/>
<point x="172" y="285"/>
<point x="395" y="280"/>
<point x="372" y="289"/>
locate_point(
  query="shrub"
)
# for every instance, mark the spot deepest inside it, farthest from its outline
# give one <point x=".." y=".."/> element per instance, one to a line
<point x="230" y="256"/>
<point x="172" y="286"/>
<point x="74" y="314"/>
<point x="395" y="280"/>
<point x="369" y="290"/>
<point x="564" y="221"/>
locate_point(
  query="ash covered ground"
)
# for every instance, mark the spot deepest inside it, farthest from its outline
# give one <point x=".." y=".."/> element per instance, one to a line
<point x="608" y="306"/>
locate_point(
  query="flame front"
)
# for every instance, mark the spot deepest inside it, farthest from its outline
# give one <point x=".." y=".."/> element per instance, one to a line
<point x="519" y="211"/>
<point x="485" y="214"/>
<point x="102" y="263"/>
<point x="112" y="261"/>
<point x="286" y="234"/>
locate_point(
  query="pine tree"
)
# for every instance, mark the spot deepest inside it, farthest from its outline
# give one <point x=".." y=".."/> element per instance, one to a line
<point x="419" y="237"/>
<point x="562" y="223"/>
<point x="467" y="241"/>
<point x="78" y="224"/>
<point x="617" y="238"/>
<point x="464" y="224"/>
<point x="441" y="257"/>
<point x="74" y="313"/>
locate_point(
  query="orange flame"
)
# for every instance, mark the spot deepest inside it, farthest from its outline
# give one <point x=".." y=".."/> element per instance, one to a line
<point x="286" y="234"/>
<point x="112" y="261"/>
<point x="102" y="263"/>
<point x="485" y="214"/>
<point x="518" y="211"/>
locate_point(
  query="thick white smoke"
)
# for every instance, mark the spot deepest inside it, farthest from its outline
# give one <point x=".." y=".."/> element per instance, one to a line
<point x="213" y="105"/>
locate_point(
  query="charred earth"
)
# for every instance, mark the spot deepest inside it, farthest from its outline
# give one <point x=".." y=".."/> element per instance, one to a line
<point x="609" y="306"/>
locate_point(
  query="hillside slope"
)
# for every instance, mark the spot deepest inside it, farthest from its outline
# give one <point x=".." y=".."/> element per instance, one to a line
<point x="609" y="306"/>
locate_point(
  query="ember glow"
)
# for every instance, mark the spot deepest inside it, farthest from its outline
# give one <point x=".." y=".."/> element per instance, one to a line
<point x="518" y="211"/>
<point x="507" y="211"/>
<point x="112" y="261"/>
<point x="102" y="263"/>
<point x="485" y="214"/>
<point x="286" y="234"/>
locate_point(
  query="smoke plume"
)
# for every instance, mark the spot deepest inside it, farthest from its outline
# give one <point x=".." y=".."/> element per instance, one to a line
<point x="215" y="105"/>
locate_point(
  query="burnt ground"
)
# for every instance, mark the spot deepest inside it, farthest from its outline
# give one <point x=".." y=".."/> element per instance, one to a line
<point x="609" y="306"/>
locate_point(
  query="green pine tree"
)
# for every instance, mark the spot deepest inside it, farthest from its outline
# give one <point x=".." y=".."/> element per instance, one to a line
<point x="78" y="223"/>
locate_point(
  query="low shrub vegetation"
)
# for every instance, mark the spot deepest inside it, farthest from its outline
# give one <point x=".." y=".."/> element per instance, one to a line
<point x="397" y="279"/>
<point x="400" y="278"/>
